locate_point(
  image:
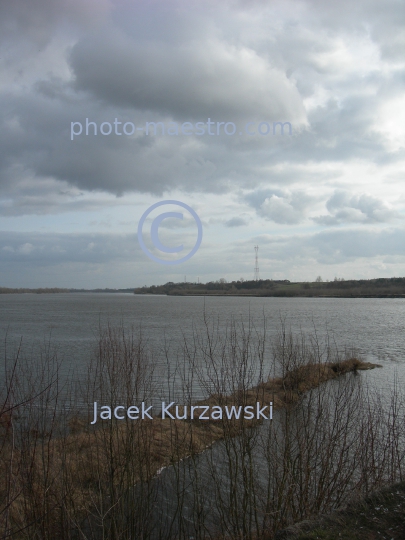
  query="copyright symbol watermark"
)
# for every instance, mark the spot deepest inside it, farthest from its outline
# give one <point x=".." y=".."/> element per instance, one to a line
<point x="154" y="233"/>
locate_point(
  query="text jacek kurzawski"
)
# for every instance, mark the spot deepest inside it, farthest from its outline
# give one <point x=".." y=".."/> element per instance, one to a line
<point x="174" y="411"/>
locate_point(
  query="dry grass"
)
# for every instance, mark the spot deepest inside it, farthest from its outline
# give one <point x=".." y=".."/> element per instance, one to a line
<point x="283" y="391"/>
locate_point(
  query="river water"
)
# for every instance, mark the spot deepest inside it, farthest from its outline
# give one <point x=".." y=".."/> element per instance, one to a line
<point x="70" y="322"/>
<point x="376" y="327"/>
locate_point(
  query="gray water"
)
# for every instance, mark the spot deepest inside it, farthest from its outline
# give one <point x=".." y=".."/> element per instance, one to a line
<point x="70" y="321"/>
<point x="375" y="327"/>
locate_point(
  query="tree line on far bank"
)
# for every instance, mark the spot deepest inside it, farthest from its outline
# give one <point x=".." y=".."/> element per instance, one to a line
<point x="379" y="287"/>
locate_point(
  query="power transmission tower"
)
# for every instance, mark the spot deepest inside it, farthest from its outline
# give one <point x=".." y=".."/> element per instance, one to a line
<point x="257" y="276"/>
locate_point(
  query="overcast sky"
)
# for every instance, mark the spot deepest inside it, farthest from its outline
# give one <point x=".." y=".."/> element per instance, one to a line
<point x="327" y="199"/>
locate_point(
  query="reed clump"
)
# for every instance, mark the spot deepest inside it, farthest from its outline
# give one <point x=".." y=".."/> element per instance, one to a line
<point x="282" y="391"/>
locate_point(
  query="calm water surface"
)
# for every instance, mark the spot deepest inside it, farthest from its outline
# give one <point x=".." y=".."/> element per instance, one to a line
<point x="374" y="326"/>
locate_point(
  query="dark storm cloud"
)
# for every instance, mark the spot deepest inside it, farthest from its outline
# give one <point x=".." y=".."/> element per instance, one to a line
<point x="193" y="81"/>
<point x="35" y="142"/>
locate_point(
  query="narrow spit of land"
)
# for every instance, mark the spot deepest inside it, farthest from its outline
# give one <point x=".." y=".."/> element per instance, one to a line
<point x="129" y="452"/>
<point x="172" y="440"/>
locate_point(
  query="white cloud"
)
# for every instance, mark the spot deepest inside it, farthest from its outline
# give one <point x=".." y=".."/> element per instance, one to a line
<point x="345" y="208"/>
<point x="26" y="248"/>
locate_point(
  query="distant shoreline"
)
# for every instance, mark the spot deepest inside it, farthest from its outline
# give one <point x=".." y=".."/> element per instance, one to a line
<point x="56" y="290"/>
<point x="281" y="296"/>
<point x="339" y="288"/>
<point x="278" y="295"/>
<point x="216" y="295"/>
